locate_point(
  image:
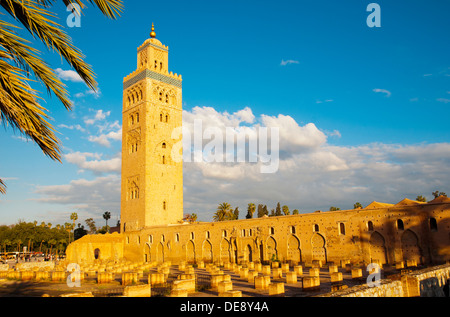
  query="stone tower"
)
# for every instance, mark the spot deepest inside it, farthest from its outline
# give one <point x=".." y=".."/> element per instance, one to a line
<point x="152" y="179"/>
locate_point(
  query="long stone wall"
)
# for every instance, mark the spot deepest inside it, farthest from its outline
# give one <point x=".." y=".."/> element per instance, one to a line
<point x="418" y="233"/>
<point x="428" y="282"/>
<point x="357" y="236"/>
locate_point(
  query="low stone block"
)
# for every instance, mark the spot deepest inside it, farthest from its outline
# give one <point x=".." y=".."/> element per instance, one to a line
<point x="188" y="285"/>
<point x="336" y="277"/>
<point x="333" y="269"/>
<point x="156" y="278"/>
<point x="400" y="265"/>
<point x="266" y="270"/>
<point x="59" y="276"/>
<point x="225" y="286"/>
<point x="277" y="273"/>
<point x="291" y="277"/>
<point x="298" y="269"/>
<point x="179" y="293"/>
<point x="231" y="294"/>
<point x="138" y="291"/>
<point x="105" y="277"/>
<point x="311" y="283"/>
<point x="42" y="276"/>
<point x="251" y="276"/>
<point x="314" y="271"/>
<point x="86" y="294"/>
<point x="129" y="278"/>
<point x="276" y="289"/>
<point x="357" y="273"/>
<point x="262" y="282"/>
<point x="243" y="273"/>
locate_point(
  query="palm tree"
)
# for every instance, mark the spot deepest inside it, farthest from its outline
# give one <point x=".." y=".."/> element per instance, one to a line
<point x="107" y="216"/>
<point x="20" y="105"/>
<point x="224" y="212"/>
<point x="250" y="210"/>
<point x="6" y="243"/>
<point x="73" y="217"/>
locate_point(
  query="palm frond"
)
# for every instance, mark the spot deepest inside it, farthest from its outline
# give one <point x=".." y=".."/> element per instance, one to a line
<point x="26" y="58"/>
<point x="19" y="107"/>
<point x="2" y="187"/>
<point x="38" y="22"/>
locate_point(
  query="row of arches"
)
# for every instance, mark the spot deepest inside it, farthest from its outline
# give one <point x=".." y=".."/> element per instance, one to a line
<point x="253" y="250"/>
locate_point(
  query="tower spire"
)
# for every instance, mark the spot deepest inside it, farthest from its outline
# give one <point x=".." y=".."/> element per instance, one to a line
<point x="152" y="33"/>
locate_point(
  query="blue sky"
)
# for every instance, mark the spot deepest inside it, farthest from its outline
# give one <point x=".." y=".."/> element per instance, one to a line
<point x="379" y="96"/>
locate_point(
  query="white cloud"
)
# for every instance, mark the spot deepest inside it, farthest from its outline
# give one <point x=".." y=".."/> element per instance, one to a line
<point x="384" y="91"/>
<point x="289" y="61"/>
<point x="72" y="127"/>
<point x="443" y="100"/>
<point x="68" y="75"/>
<point x="96" y="165"/>
<point x="99" y="116"/>
<point x="104" y="139"/>
<point x="90" y="198"/>
<point x="312" y="174"/>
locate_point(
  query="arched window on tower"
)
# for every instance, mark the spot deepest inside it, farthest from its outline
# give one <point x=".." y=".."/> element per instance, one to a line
<point x="370" y="226"/>
<point x="164" y="159"/>
<point x="167" y="118"/>
<point x="164" y="205"/>
<point x="400" y="225"/>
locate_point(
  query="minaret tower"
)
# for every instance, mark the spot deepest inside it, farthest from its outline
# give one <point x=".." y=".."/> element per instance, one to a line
<point x="152" y="180"/>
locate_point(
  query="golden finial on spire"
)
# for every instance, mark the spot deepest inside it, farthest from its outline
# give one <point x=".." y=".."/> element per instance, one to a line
<point x="153" y="34"/>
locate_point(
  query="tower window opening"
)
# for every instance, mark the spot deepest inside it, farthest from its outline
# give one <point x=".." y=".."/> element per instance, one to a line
<point x="164" y="145"/>
<point x="164" y="159"/>
<point x="167" y="118"/>
<point x="433" y="224"/>
<point x="160" y="66"/>
<point x="316" y="228"/>
<point x="370" y="226"/>
<point x="161" y="117"/>
<point x="156" y="64"/>
<point x="292" y="229"/>
<point x="342" y="228"/>
<point x="164" y="205"/>
<point x="400" y="225"/>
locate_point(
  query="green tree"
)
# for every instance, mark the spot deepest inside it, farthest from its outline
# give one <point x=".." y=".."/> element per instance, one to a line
<point x="278" y="210"/>
<point x="20" y="106"/>
<point x="421" y="198"/>
<point x="251" y="208"/>
<point x="91" y="224"/>
<point x="285" y="210"/>
<point x="437" y="194"/>
<point x="107" y="216"/>
<point x="260" y="211"/>
<point x="236" y="214"/>
<point x="79" y="232"/>
<point x="295" y="212"/>
<point x="332" y="208"/>
<point x="357" y="205"/>
<point x="224" y="212"/>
